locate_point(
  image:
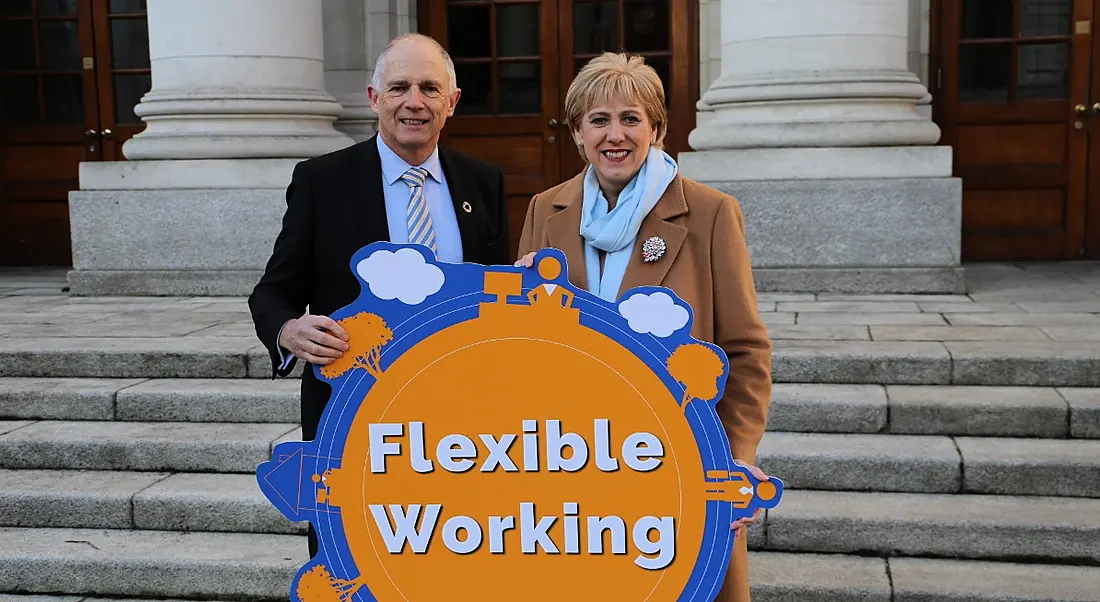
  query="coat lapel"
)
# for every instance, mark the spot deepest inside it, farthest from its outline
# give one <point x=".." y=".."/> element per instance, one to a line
<point x="658" y="223"/>
<point x="563" y="229"/>
<point x="370" y="212"/>
<point x="470" y="223"/>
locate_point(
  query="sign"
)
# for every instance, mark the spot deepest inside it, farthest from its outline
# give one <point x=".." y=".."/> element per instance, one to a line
<point x="495" y="433"/>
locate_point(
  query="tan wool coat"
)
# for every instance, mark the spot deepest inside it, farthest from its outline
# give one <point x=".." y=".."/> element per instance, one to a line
<point x="707" y="264"/>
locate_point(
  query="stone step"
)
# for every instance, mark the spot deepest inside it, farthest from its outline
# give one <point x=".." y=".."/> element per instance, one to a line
<point x="933" y="464"/>
<point x="930" y="580"/>
<point x="151" y="400"/>
<point x="140" y="446"/>
<point x="845" y="462"/>
<point x="950" y="526"/>
<point x="935" y="525"/>
<point x="1067" y="364"/>
<point x="1036" y="412"/>
<point x="210" y="566"/>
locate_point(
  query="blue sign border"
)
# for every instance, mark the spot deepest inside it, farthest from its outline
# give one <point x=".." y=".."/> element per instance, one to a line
<point x="286" y="481"/>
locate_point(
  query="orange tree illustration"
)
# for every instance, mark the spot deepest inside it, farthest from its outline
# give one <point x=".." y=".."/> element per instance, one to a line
<point x="367" y="334"/>
<point x="317" y="585"/>
<point x="696" y="367"/>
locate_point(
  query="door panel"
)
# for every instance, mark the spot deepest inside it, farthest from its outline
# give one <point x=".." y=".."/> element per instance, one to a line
<point x="123" y="73"/>
<point x="47" y="104"/>
<point x="1092" y="219"/>
<point x="1012" y="73"/>
<point x="69" y="77"/>
<point x="516" y="58"/>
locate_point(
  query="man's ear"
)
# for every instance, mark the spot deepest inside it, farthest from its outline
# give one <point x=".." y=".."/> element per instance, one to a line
<point x="454" y="102"/>
<point x="372" y="95"/>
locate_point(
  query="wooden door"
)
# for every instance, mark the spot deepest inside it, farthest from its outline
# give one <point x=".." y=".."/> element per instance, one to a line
<point x="57" y="110"/>
<point x="1011" y="75"/>
<point x="1092" y="219"/>
<point x="516" y="58"/>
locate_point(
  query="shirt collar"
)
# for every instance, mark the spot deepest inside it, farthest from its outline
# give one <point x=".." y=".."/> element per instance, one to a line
<point x="393" y="166"/>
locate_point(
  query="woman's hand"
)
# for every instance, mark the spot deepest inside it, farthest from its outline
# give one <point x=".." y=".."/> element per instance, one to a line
<point x="740" y="524"/>
<point x="527" y="260"/>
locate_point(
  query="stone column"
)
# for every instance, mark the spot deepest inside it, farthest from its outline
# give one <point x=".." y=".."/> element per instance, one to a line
<point x="236" y="79"/>
<point x="813" y="126"/>
<point x="238" y="98"/>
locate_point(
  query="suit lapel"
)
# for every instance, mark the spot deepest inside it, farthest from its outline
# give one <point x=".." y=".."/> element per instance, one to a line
<point x="370" y="211"/>
<point x="469" y="222"/>
<point x="563" y="229"/>
<point x="658" y="224"/>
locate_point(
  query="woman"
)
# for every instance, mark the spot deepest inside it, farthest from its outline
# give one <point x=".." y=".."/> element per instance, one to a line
<point x="631" y="194"/>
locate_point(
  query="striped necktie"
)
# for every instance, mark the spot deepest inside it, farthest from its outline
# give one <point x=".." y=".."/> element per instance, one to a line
<point x="421" y="231"/>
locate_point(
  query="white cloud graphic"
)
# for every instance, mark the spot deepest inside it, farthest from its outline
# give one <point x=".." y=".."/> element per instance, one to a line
<point x="655" y="314"/>
<point x="401" y="275"/>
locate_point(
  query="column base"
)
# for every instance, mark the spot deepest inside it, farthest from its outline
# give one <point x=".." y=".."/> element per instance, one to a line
<point x="851" y="220"/>
<point x="179" y="228"/>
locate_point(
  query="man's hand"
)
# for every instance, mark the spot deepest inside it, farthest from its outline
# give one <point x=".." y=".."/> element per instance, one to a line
<point x="740" y="524"/>
<point x="526" y="261"/>
<point x="316" y="339"/>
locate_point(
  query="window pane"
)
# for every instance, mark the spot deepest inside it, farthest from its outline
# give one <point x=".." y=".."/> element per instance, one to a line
<point x="518" y="30"/>
<point x="129" y="88"/>
<point x="17" y="51"/>
<point x="476" y="82"/>
<point x="57" y="7"/>
<point x="16" y="7"/>
<point x="19" y="99"/>
<point x="1045" y="17"/>
<point x="646" y="25"/>
<point x="987" y="19"/>
<point x="595" y="27"/>
<point x="130" y="43"/>
<point x="59" y="45"/>
<point x="985" y="72"/>
<point x="468" y="32"/>
<point x="520" y="88"/>
<point x="660" y="64"/>
<point x="128" y="6"/>
<point x="1044" y="71"/>
<point x="64" y="99"/>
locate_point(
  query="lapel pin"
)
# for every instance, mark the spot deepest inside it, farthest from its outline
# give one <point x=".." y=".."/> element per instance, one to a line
<point x="467" y="207"/>
<point x="653" y="249"/>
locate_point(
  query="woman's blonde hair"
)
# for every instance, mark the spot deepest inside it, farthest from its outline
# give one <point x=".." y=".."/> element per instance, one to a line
<point x="617" y="76"/>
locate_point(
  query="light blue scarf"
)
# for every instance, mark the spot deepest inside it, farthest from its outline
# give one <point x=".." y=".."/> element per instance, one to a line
<point x="614" y="232"/>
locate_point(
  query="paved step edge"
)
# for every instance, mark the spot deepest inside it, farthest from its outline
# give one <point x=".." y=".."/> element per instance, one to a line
<point x="204" y="566"/>
<point x="973" y="526"/>
<point x="838" y="462"/>
<point x="965" y="410"/>
<point x="1030" y="364"/>
<point x="142" y="446"/>
<point x="927" y="580"/>
<point x="948" y="526"/>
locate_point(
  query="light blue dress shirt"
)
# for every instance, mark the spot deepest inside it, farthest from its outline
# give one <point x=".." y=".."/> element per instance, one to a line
<point x="448" y="240"/>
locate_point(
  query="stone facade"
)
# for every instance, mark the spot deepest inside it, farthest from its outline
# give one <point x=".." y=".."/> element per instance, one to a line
<point x="855" y="198"/>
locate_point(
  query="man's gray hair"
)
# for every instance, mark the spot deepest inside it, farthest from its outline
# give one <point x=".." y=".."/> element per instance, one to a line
<point x="380" y="64"/>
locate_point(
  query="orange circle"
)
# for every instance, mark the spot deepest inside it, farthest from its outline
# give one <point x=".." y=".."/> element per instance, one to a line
<point x="458" y="381"/>
<point x="765" y="490"/>
<point x="549" y="268"/>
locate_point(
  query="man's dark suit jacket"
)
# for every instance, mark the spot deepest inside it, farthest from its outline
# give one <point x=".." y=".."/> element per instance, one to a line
<point x="335" y="206"/>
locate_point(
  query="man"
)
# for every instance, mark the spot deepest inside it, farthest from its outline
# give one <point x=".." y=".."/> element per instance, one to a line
<point x="397" y="186"/>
